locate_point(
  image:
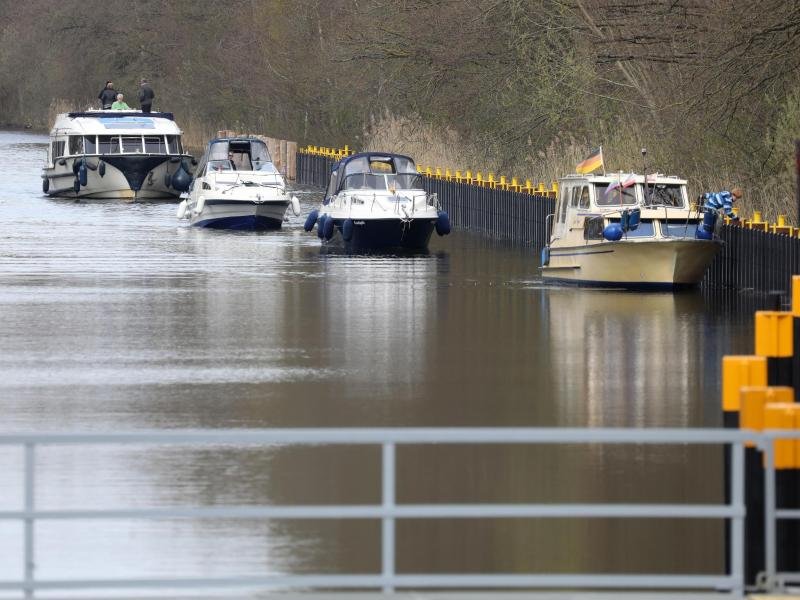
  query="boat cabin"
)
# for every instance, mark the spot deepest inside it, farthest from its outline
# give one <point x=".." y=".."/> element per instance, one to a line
<point x="105" y="133"/>
<point x="236" y="154"/>
<point x="373" y="171"/>
<point x="587" y="204"/>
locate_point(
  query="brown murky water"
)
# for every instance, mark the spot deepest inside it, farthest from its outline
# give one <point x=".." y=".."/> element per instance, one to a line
<point x="117" y="317"/>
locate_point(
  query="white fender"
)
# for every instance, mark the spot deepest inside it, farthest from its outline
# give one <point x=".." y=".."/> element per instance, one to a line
<point x="295" y="206"/>
<point x="201" y="204"/>
<point x="181" y="210"/>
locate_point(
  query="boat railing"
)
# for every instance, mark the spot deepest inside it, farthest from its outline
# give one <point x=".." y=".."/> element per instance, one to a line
<point x="389" y="511"/>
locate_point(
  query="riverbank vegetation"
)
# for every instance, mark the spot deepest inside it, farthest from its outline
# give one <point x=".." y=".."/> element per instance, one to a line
<point x="523" y="87"/>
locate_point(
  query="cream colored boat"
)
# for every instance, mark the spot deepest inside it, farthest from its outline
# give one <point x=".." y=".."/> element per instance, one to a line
<point x="622" y="231"/>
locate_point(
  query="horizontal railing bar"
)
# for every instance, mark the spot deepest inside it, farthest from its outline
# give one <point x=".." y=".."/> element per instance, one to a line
<point x="414" y="511"/>
<point x="466" y="435"/>
<point x="786" y="513"/>
<point x="407" y="581"/>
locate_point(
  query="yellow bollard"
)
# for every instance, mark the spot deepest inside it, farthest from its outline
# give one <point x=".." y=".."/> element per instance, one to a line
<point x="781" y="227"/>
<point x="554" y="188"/>
<point x="478" y="178"/>
<point x="540" y="189"/>
<point x="490" y="180"/>
<point x="738" y="372"/>
<point x="468" y="176"/>
<point x="458" y="177"/>
<point x="754" y="401"/>
<point x="784" y="416"/>
<point x="346" y="150"/>
<point x="503" y="183"/>
<point x="515" y="184"/>
<point x="428" y="172"/>
<point x="438" y="173"/>
<point x="528" y="186"/>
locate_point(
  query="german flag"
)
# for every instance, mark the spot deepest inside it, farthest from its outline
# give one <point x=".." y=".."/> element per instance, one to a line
<point x="591" y="163"/>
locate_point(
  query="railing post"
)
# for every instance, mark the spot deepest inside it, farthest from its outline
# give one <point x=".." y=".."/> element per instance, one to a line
<point x="737" y="524"/>
<point x="387" y="538"/>
<point x="29" y="523"/>
<point x="770" y="542"/>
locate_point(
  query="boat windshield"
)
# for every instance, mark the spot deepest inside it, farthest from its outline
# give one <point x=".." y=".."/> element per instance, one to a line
<point x="664" y="194"/>
<point x="219" y="165"/>
<point x="382" y="182"/>
<point x="266" y="167"/>
<point x="614" y="196"/>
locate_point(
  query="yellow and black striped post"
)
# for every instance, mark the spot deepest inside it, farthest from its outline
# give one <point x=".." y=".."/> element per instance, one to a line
<point x="787" y="483"/>
<point x="774" y="341"/>
<point x="737" y="372"/>
<point x="754" y="401"/>
<point x="796" y="333"/>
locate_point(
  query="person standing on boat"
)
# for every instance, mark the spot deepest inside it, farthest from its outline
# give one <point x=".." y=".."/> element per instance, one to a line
<point x="722" y="202"/>
<point x="146" y="96"/>
<point x="120" y="104"/>
<point x="107" y="95"/>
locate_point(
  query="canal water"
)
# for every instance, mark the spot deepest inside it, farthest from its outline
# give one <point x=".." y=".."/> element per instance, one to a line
<point x="117" y="317"/>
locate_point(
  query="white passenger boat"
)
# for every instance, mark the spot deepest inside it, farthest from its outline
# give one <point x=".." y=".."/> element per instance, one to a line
<point x="116" y="154"/>
<point x="236" y="186"/>
<point x="376" y="200"/>
<point x="625" y="230"/>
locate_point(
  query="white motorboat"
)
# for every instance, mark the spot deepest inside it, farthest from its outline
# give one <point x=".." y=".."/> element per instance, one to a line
<point x="236" y="186"/>
<point x="376" y="200"/>
<point x="116" y="154"/>
<point x="625" y="230"/>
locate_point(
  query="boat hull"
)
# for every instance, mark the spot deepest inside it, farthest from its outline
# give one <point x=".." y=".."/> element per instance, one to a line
<point x="125" y="177"/>
<point x="650" y="264"/>
<point x="386" y="234"/>
<point x="241" y="214"/>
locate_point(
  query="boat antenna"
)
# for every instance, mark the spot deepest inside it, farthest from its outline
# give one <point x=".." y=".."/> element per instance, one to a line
<point x="644" y="171"/>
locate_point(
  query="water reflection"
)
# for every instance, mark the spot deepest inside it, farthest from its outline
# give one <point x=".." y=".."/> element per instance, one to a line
<point x="116" y="316"/>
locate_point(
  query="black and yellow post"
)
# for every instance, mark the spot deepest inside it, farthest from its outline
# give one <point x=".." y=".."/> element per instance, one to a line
<point x="754" y="401"/>
<point x="774" y="340"/>
<point x="737" y="372"/>
<point x="787" y="483"/>
<point x="796" y="332"/>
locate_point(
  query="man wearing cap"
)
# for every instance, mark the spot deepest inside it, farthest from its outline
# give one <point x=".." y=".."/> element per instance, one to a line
<point x="146" y="96"/>
<point x="722" y="202"/>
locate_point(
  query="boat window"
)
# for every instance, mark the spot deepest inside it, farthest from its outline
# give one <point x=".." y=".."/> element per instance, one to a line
<point x="593" y="227"/>
<point x="358" y="165"/>
<point x="584" y="201"/>
<point x="217" y="150"/>
<point x="664" y="194"/>
<point x="576" y="193"/>
<point x="132" y="144"/>
<point x="364" y="181"/>
<point x="332" y="185"/>
<point x="174" y="142"/>
<point x="405" y="165"/>
<point x="259" y="154"/>
<point x="679" y="229"/>
<point x="154" y="144"/>
<point x="108" y="144"/>
<point x="90" y="144"/>
<point x="645" y="229"/>
<point x="615" y="196"/>
<point x="266" y="167"/>
<point x="219" y="165"/>
<point x="407" y="181"/>
<point x="380" y="166"/>
<point x="75" y="144"/>
<point x="58" y="149"/>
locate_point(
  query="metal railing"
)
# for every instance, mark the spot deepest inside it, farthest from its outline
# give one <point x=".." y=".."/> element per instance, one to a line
<point x="773" y="579"/>
<point x="389" y="511"/>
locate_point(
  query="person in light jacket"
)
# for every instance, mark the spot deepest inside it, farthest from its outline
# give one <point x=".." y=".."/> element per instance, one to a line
<point x="120" y="104"/>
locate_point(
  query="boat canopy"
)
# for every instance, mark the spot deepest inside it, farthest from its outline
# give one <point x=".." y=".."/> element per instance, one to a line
<point x="374" y="171"/>
<point x="246" y="154"/>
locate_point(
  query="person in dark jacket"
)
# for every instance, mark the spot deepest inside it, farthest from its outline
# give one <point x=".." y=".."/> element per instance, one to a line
<point x="107" y="95"/>
<point x="146" y="96"/>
